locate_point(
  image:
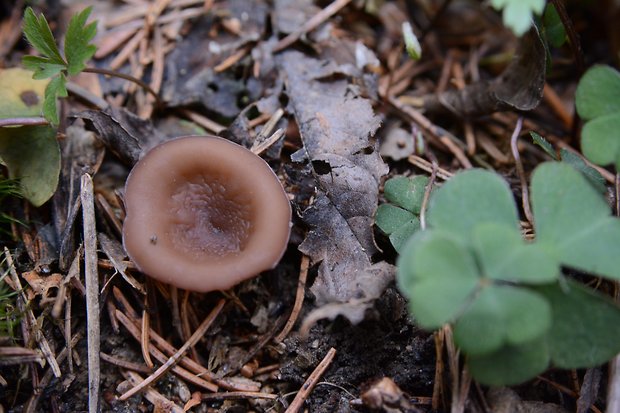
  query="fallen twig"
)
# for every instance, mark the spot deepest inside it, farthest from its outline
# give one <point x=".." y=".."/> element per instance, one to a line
<point x="311" y="24"/>
<point x="91" y="276"/>
<point x="299" y="299"/>
<point x="312" y="380"/>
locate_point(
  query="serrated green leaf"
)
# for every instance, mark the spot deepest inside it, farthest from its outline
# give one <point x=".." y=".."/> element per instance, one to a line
<point x="32" y="156"/>
<point x="584" y="332"/>
<point x="55" y="88"/>
<point x="390" y="218"/>
<point x="470" y="198"/>
<point x="78" y="48"/>
<point x="597" y="92"/>
<point x="503" y="315"/>
<point x="405" y="192"/>
<point x="554" y="29"/>
<point x="438" y="275"/>
<point x="544" y="144"/>
<point x="400" y="237"/>
<point x="600" y="140"/>
<point x="591" y="174"/>
<point x="41" y="66"/>
<point x="573" y="221"/>
<point x="510" y="365"/>
<point x="517" y="14"/>
<point x="38" y="33"/>
<point x="505" y="256"/>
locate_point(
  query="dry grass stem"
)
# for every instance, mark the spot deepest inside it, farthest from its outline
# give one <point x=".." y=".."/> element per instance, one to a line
<point x="91" y="277"/>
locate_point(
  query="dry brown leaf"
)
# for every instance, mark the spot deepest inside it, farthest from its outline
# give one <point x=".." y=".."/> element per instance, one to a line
<point x="337" y="125"/>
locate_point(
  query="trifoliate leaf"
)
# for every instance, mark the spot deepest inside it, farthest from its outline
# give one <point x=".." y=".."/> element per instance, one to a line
<point x="600" y="140"/>
<point x="517" y="14"/>
<point x="597" y="101"/>
<point x="32" y="156"/>
<point x="78" y="48"/>
<point x="470" y="198"/>
<point x="439" y="275"/>
<point x="400" y="237"/>
<point x="510" y="365"/>
<point x="584" y="332"/>
<point x="398" y="223"/>
<point x="505" y="256"/>
<point x="20" y="94"/>
<point x="405" y="192"/>
<point x="55" y="88"/>
<point x="38" y="33"/>
<point x="573" y="221"/>
<point x="597" y="92"/>
<point x="503" y="315"/>
<point x="390" y="218"/>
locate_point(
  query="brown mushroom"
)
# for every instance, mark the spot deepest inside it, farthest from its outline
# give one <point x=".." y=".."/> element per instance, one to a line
<point x="204" y="214"/>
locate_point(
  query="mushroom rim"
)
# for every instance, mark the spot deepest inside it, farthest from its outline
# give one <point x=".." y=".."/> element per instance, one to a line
<point x="266" y="244"/>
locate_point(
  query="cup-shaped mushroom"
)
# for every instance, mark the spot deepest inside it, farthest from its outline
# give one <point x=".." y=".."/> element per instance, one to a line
<point x="204" y="214"/>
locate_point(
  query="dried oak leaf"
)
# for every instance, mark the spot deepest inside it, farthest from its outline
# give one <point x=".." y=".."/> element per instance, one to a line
<point x="336" y="125"/>
<point x="520" y="86"/>
<point x="122" y="132"/>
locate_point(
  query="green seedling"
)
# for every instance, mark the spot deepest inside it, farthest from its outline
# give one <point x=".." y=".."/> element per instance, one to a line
<point x="592" y="175"/>
<point x="513" y="312"/>
<point x="52" y="63"/>
<point x="598" y="104"/>
<point x="400" y="218"/>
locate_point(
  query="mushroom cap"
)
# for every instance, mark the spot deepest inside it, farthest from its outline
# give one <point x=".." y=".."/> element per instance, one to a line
<point x="203" y="214"/>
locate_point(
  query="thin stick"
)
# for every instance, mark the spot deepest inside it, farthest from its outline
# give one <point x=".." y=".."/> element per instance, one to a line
<point x="239" y="395"/>
<point x="91" y="277"/>
<point x="312" y="380"/>
<point x="30" y="320"/>
<point x="203" y="121"/>
<point x="30" y="121"/>
<point x="428" y="167"/>
<point x="299" y="299"/>
<point x="427" y="194"/>
<point x="439" y="338"/>
<point x="557" y="106"/>
<point x="160" y="402"/>
<point x="124" y="363"/>
<point x="172" y="361"/>
<point x="161" y="357"/>
<point x="520" y="171"/>
<point x="31" y="404"/>
<point x="124" y="76"/>
<point x="145" y="338"/>
<point x="311" y="24"/>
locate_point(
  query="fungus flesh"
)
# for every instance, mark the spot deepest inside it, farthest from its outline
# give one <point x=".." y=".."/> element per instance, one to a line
<point x="204" y="214"/>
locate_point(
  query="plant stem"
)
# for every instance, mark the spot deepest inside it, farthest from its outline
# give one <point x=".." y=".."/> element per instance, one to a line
<point x="520" y="171"/>
<point x="126" y="77"/>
